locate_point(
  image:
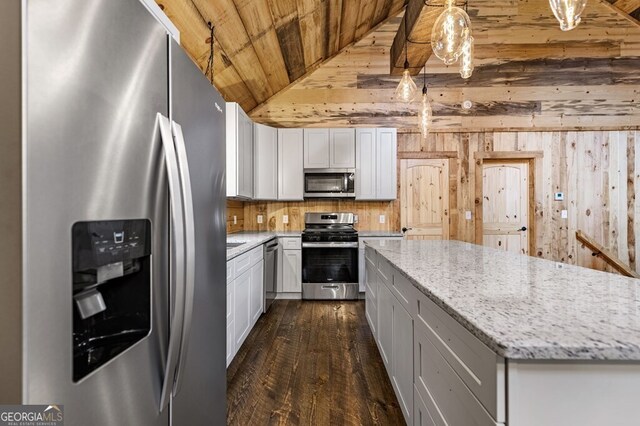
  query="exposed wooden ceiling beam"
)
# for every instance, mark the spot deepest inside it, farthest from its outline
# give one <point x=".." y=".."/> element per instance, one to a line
<point x="625" y="8"/>
<point x="420" y="19"/>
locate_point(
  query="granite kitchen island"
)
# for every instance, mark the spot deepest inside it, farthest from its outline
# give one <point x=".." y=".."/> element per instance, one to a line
<point x="500" y="338"/>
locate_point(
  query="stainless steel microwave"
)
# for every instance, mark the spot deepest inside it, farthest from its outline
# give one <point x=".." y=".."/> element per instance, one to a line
<point x="329" y="183"/>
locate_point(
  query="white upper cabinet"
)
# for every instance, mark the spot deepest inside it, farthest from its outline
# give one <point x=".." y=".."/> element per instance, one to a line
<point x="265" y="148"/>
<point x="316" y="149"/>
<point x="376" y="156"/>
<point x="290" y="160"/>
<point x="386" y="169"/>
<point x="342" y="148"/>
<point x="239" y="153"/>
<point x="365" y="164"/>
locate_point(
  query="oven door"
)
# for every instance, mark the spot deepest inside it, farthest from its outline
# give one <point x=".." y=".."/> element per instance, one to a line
<point x="330" y="270"/>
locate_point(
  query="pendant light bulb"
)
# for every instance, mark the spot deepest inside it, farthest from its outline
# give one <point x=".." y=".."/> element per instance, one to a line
<point x="407" y="88"/>
<point x="424" y="114"/>
<point x="448" y="33"/>
<point x="568" y="12"/>
<point x="466" y="55"/>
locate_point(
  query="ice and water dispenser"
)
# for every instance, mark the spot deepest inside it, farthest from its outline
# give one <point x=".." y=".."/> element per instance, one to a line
<point x="111" y="290"/>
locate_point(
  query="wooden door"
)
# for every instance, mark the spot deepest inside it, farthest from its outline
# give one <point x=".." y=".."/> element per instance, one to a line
<point x="505" y="206"/>
<point x="424" y="199"/>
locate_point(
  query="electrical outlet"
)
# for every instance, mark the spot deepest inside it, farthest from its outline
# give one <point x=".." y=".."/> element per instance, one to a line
<point x="355" y="218"/>
<point x="467" y="214"/>
<point x="382" y="218"/>
<point x="558" y="196"/>
<point x="260" y="218"/>
<point x="235" y="219"/>
<point x="285" y="218"/>
<point x="564" y="214"/>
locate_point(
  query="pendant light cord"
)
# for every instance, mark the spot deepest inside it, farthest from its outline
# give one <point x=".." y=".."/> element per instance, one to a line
<point x="209" y="71"/>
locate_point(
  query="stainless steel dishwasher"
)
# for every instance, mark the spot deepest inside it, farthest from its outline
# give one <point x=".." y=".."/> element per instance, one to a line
<point x="270" y="272"/>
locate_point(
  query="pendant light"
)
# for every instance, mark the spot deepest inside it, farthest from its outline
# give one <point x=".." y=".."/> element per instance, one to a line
<point x="425" y="112"/>
<point x="466" y="55"/>
<point x="407" y="88"/>
<point x="448" y="33"/>
<point x="568" y="12"/>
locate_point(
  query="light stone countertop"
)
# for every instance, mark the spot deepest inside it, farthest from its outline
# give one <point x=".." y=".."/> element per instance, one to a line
<point x="524" y="307"/>
<point x="252" y="240"/>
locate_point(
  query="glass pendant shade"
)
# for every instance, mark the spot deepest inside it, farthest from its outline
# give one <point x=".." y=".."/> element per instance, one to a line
<point x="407" y="88"/>
<point x="568" y="12"/>
<point x="466" y="56"/>
<point x="448" y="32"/>
<point x="424" y="114"/>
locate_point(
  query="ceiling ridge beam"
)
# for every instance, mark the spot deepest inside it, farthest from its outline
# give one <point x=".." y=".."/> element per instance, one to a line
<point x="622" y="13"/>
<point x="258" y="107"/>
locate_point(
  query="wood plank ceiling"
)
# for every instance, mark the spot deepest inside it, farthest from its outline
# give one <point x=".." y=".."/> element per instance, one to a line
<point x="630" y="7"/>
<point x="529" y="75"/>
<point x="262" y="46"/>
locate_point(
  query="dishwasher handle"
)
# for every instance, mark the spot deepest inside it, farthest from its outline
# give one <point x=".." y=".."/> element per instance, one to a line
<point x="271" y="246"/>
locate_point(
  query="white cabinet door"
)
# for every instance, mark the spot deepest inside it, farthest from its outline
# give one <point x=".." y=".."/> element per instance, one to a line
<point x="257" y="291"/>
<point x="366" y="164"/>
<point x="265" y="149"/>
<point x="402" y="358"/>
<point x="290" y="170"/>
<point x="316" y="149"/>
<point x="385" y="325"/>
<point x="386" y="169"/>
<point x="245" y="187"/>
<point x="362" y="286"/>
<point x="239" y="141"/>
<point x="342" y="148"/>
<point x="292" y="271"/>
<point x="231" y="347"/>
<point x="242" y="312"/>
<point x="371" y="297"/>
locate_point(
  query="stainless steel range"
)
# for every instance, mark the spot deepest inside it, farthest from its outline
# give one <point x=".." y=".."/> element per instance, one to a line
<point x="329" y="257"/>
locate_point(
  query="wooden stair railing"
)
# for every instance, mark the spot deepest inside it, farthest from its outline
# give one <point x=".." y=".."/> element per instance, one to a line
<point x="605" y="254"/>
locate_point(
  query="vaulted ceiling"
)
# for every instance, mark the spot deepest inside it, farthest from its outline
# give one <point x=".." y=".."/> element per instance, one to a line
<point x="293" y="63"/>
<point x="630" y="7"/>
<point x="262" y="46"/>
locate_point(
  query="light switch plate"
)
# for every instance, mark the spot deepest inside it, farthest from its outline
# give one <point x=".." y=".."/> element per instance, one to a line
<point x="564" y="214"/>
<point x="382" y="218"/>
<point x="285" y="218"/>
<point x="467" y="214"/>
<point x="558" y="196"/>
<point x="235" y="219"/>
<point x="260" y="218"/>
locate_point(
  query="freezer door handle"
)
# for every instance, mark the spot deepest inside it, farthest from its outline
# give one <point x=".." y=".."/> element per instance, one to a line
<point x="189" y="248"/>
<point x="177" y="259"/>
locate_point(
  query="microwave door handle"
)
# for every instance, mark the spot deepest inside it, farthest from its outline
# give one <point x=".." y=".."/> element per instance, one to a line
<point x="345" y="188"/>
<point x="177" y="259"/>
<point x="189" y="247"/>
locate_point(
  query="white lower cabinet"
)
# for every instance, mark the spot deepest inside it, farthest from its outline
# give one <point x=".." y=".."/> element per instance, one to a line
<point x="440" y="372"/>
<point x="257" y="291"/>
<point x="291" y="265"/>
<point x="245" y="297"/>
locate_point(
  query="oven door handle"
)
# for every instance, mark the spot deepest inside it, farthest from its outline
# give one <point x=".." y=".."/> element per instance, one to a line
<point x="331" y="245"/>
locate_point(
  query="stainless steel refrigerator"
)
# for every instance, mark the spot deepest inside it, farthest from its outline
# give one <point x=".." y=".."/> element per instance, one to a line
<point x="112" y="216"/>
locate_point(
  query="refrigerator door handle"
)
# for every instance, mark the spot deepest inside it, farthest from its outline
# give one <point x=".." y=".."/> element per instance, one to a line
<point x="190" y="250"/>
<point x="177" y="259"/>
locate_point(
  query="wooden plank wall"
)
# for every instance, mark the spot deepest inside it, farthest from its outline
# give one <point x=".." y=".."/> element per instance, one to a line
<point x="235" y="208"/>
<point x="368" y="214"/>
<point x="598" y="171"/>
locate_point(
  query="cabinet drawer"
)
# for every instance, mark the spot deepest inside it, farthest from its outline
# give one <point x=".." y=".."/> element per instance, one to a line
<point x="230" y="271"/>
<point x="436" y="382"/>
<point x="371" y="310"/>
<point x="256" y="255"/>
<point x="385" y="271"/>
<point x="481" y="370"/>
<point x="424" y="415"/>
<point x="291" y="243"/>
<point x="229" y="303"/>
<point x="242" y="263"/>
<point x="371" y="277"/>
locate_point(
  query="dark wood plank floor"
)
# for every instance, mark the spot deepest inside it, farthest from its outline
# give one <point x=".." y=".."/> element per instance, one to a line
<point x="311" y="363"/>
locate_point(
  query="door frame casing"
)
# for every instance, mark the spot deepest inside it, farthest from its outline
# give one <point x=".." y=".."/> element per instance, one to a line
<point x="533" y="158"/>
